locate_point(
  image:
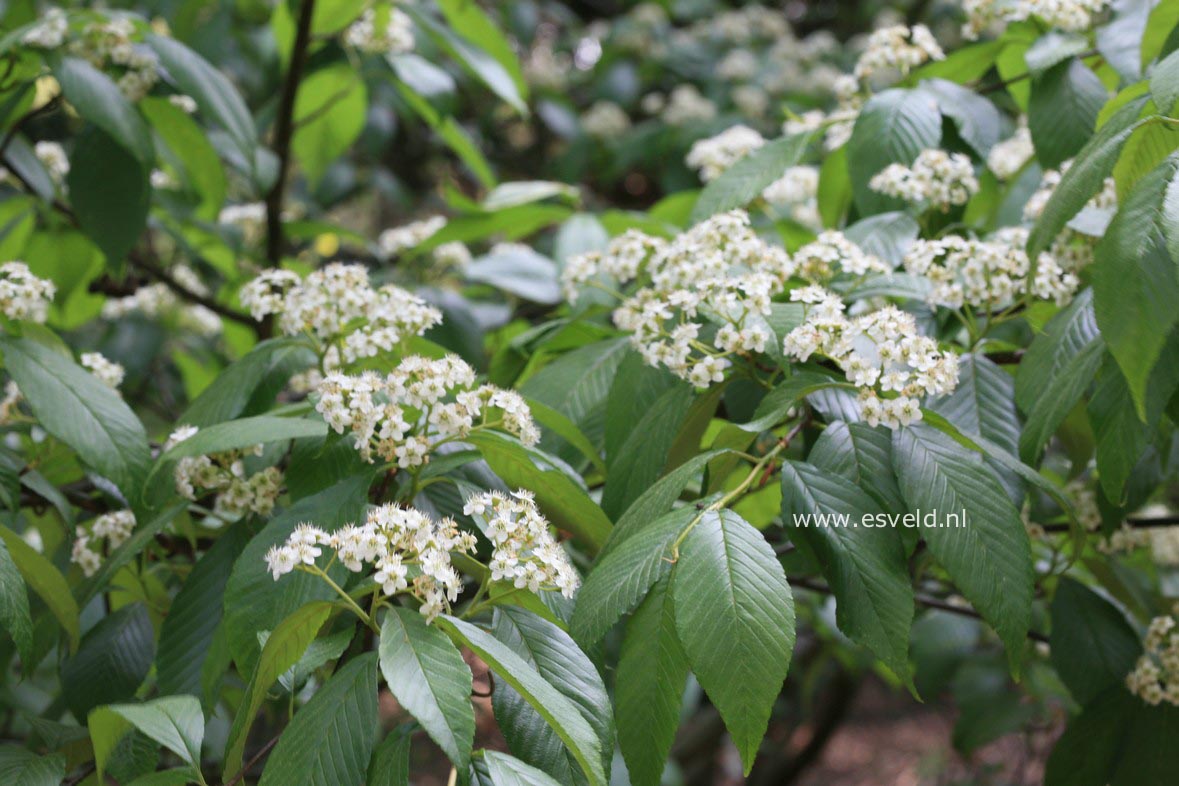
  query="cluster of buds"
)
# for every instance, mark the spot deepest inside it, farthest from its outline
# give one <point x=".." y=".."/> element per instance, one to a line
<point x="403" y="416"/>
<point x="238" y="492"/>
<point x="105" y="371"/>
<point x="1072" y="15"/>
<point x="110" y="43"/>
<point x="1008" y="157"/>
<point x="409" y="552"/>
<point x="113" y="528"/>
<point x="1155" y="678"/>
<point x="714" y="155"/>
<point x="339" y="308"/>
<point x="936" y="178"/>
<point x="704" y="295"/>
<point x="987" y="274"/>
<point x="526" y="553"/>
<point x="897" y="49"/>
<point x="880" y="352"/>
<point x="1071" y="249"/>
<point x="832" y="255"/>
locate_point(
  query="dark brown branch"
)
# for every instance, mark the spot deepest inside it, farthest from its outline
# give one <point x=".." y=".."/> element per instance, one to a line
<point x="253" y="760"/>
<point x="1154" y="522"/>
<point x="284" y="130"/>
<point x="45" y="108"/>
<point x="153" y="269"/>
<point x="922" y="598"/>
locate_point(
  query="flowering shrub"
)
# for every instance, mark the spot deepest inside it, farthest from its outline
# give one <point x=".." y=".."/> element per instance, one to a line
<point x="478" y="393"/>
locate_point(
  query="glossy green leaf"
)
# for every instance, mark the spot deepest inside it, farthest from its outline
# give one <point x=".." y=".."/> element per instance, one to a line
<point x="743" y="182"/>
<point x="175" y="722"/>
<point x="14" y="607"/>
<point x="100" y="167"/>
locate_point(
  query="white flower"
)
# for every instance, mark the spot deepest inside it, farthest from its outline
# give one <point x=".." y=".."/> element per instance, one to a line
<point x="685" y="105"/>
<point x="940" y="179"/>
<point x="49" y="33"/>
<point x="605" y="120"/>
<point x="114" y="528"/>
<point x="23" y="295"/>
<point x="1072" y="15"/>
<point x="106" y="371"/>
<point x="1155" y="677"/>
<point x="525" y="552"/>
<point x="394" y="37"/>
<point x="52" y="156"/>
<point x="224" y="473"/>
<point x="1006" y="158"/>
<point x="897" y="49"/>
<point x="393" y="241"/>
<point x="714" y="155"/>
<point x="831" y="254"/>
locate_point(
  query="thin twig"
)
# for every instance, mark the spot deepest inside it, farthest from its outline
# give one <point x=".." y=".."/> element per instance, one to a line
<point x="920" y="597"/>
<point x="254" y="760"/>
<point x="284" y="130"/>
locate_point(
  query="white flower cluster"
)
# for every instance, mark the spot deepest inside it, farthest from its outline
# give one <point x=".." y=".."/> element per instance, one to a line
<point x="337" y="305"/>
<point x="157" y="301"/>
<point x="897" y="49"/>
<point x="832" y="254"/>
<point x="9" y="403"/>
<point x="49" y="33"/>
<point x="1155" y="678"/>
<point x="114" y="528"/>
<point x="986" y="274"/>
<point x="788" y="196"/>
<point x="393" y="241"/>
<point x="23" y="295"/>
<point x="1073" y="15"/>
<point x="105" y="371"/>
<point x="880" y="352"/>
<point x="605" y="120"/>
<point x="686" y="105"/>
<point x="717" y="274"/>
<point x="381" y="31"/>
<point x="1072" y="250"/>
<point x="452" y="256"/>
<point x="53" y="157"/>
<point x="937" y="178"/>
<point x="395" y="541"/>
<point x="1006" y="158"/>
<point x="111" y="43"/>
<point x="526" y="553"/>
<point x="423" y="402"/>
<point x="714" y="155"/>
<point x="225" y="473"/>
<point x="840" y="122"/>
<point x="249" y="217"/>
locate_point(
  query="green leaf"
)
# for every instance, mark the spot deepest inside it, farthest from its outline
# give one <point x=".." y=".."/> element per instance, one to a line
<point x="649" y="687"/>
<point x="14" y="608"/>
<point x="329" y="115"/>
<point x="250" y="384"/>
<point x="519" y="271"/>
<point x="1093" y="646"/>
<point x="79" y="410"/>
<point x="176" y="722"/>
<point x="640" y="459"/>
<point x="893" y="127"/>
<point x="43" y="578"/>
<point x="331" y="739"/>
<point x="1164" y="83"/>
<point x="559" y="498"/>
<point x="483" y="65"/>
<point x="469" y="21"/>
<point x="978" y="120"/>
<point x="1085" y="177"/>
<point x="776" y="405"/>
<point x="1121" y="40"/>
<point x="555" y="656"/>
<point x="186" y="146"/>
<point x="885" y="235"/>
<point x="195" y="614"/>
<point x="98" y="99"/>
<point x="1117" y="740"/>
<point x="988" y="558"/>
<point x="863" y="455"/>
<point x="566" y="429"/>
<point x="254" y="601"/>
<point x="243" y="433"/>
<point x="390" y="764"/>
<point x="114" y="659"/>
<point x="215" y="95"/>
<point x="558" y="711"/>
<point x="1121" y="437"/>
<point x="743" y="182"/>
<point x="1056" y="372"/>
<point x="505" y="770"/>
<point x="100" y="167"/>
<point x="1063" y="110"/>
<point x="429" y="678"/>
<point x="22" y="767"/>
<point x="1135" y="284"/>
<point x="735" y="618"/>
<point x="983" y="403"/>
<point x="866" y="566"/>
<point x="145" y="532"/>
<point x="283" y="648"/>
<point x="622" y="577"/>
